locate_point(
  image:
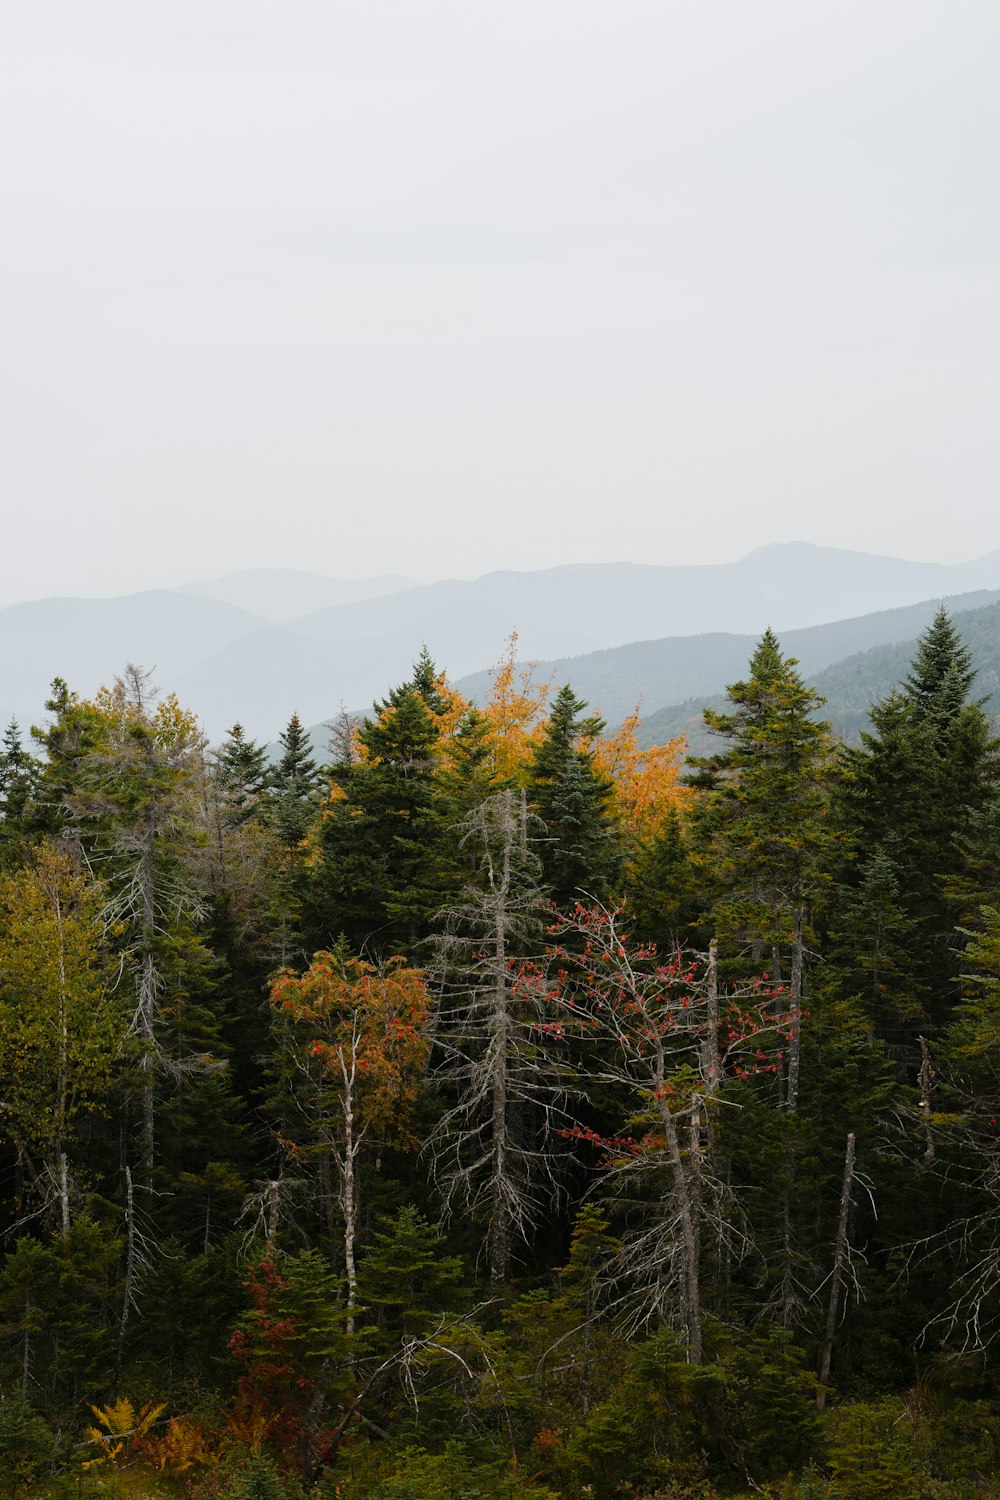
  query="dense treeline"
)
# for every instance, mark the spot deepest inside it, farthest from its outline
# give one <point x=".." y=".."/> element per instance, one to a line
<point x="503" y="1109"/>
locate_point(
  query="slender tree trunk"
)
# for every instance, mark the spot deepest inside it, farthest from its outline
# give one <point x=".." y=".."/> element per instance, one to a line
<point x="26" y="1356"/>
<point x="926" y="1081"/>
<point x="63" y="1170"/>
<point x="62" y="1080"/>
<point x="794" y="1035"/>
<point x="148" y="984"/>
<point x="326" y="1191"/>
<point x="499" y="1234"/>
<point x="710" y="1067"/>
<point x="795" y="1009"/>
<point x="499" y="1237"/>
<point x="687" y="1207"/>
<point x="351" y="1147"/>
<point x="130" y="1267"/>
<point x="837" y="1275"/>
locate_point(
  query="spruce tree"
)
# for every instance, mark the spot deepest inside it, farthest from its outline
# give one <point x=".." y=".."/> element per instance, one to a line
<point x="295" y="784"/>
<point x="761" y="836"/>
<point x="383" y="869"/>
<point x="872" y="945"/>
<point x="762" y="826"/>
<point x="19" y="773"/>
<point x="580" y="854"/>
<point x="242" y="773"/>
<point x="919" y="786"/>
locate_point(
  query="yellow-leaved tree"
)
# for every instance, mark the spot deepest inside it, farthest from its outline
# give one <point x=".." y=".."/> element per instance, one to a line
<point x="62" y="1017"/>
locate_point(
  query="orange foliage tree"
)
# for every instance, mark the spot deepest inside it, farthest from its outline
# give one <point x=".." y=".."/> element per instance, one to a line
<point x="646" y="781"/>
<point x="514" y="713"/>
<point x="352" y="1038"/>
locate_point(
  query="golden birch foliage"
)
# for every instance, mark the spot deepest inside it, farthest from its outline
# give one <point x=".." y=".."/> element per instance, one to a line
<point x="170" y="725"/>
<point x="647" y="782"/>
<point x="61" y="1020"/>
<point x="515" y="713"/>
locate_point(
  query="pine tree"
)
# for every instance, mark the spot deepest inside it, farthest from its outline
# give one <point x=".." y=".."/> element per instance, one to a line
<point x="407" y="1279"/>
<point x="762" y="836"/>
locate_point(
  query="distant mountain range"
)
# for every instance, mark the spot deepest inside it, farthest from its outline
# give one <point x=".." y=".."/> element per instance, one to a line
<point x="286" y="593"/>
<point x="645" y="674"/>
<point x="257" y="646"/>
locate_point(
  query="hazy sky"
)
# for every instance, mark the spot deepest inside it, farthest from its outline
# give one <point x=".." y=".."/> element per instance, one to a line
<point x="443" y="287"/>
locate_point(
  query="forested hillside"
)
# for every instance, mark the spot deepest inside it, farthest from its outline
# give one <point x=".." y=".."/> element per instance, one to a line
<point x="850" y="686"/>
<point x="504" y="1108"/>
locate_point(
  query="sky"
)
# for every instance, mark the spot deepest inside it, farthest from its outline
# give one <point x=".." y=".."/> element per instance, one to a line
<point x="367" y="286"/>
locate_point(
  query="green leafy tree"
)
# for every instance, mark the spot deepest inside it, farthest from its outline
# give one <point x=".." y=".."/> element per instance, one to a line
<point x="62" y="1020"/>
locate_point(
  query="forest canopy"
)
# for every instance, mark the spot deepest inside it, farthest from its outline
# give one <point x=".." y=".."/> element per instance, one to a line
<point x="491" y="1105"/>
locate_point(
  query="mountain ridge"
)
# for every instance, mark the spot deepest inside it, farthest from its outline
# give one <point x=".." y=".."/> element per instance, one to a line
<point x="226" y="661"/>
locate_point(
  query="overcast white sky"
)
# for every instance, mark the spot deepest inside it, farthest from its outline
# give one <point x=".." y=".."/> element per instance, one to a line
<point x="442" y="287"/>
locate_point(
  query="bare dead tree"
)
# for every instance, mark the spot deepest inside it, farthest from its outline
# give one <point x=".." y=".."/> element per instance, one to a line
<point x="842" y="1269"/>
<point x="655" y="1028"/>
<point x="495" y="1149"/>
<point x="126" y="804"/>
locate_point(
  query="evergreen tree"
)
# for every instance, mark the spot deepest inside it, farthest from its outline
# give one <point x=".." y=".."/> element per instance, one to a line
<point x="124" y="772"/>
<point x="761" y="834"/>
<point x="666" y="895"/>
<point x="383" y="865"/>
<point x="762" y="826"/>
<point x="407" y="1279"/>
<point x="580" y="855"/>
<point x="922" y="780"/>
<point x="295" y="783"/>
<point x="242" y="775"/>
<point x="872" y="948"/>
<point x="19" y="774"/>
